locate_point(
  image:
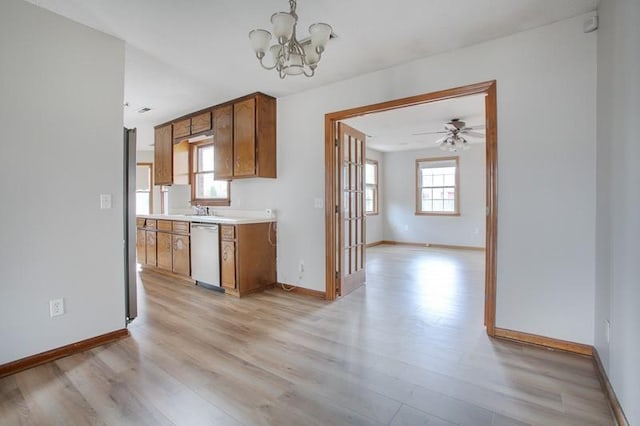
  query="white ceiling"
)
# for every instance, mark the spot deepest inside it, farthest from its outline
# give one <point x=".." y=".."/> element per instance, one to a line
<point x="394" y="130"/>
<point x="186" y="55"/>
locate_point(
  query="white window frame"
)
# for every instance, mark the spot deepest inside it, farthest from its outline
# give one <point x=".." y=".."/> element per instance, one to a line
<point x="430" y="163"/>
<point x="375" y="186"/>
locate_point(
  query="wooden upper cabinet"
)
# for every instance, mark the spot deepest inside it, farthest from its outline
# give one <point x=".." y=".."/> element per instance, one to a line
<point x="193" y="125"/>
<point x="182" y="128"/>
<point x="244" y="138"/>
<point x="223" y="139"/>
<point x="254" y="137"/>
<point x="201" y="122"/>
<point x="163" y="156"/>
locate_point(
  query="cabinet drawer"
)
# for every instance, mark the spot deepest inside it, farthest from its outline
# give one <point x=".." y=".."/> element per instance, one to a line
<point x="164" y="225"/>
<point x="151" y="224"/>
<point x="140" y="222"/>
<point x="228" y="232"/>
<point x="181" y="227"/>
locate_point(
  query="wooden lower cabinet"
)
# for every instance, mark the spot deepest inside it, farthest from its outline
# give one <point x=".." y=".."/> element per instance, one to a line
<point x="247" y="258"/>
<point x="181" y="255"/>
<point x="228" y="264"/>
<point x="165" y="252"/>
<point x="150" y="244"/>
<point x="141" y="241"/>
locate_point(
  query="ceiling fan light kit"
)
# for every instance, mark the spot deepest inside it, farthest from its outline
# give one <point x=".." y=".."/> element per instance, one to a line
<point x="453" y="139"/>
<point x="290" y="56"/>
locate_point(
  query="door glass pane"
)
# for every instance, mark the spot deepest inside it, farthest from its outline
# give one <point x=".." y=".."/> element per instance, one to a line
<point x="352" y="145"/>
<point x="345" y="147"/>
<point x="346" y="234"/>
<point x="358" y="151"/>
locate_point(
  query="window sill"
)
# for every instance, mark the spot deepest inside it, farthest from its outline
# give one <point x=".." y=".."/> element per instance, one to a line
<point x="372" y="214"/>
<point x="437" y="214"/>
<point x="209" y="202"/>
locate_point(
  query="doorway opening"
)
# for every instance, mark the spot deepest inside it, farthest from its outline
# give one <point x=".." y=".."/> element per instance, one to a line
<point x="348" y="193"/>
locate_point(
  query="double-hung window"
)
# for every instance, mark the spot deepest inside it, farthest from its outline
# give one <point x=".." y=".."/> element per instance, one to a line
<point x="371" y="187"/>
<point x="144" y="185"/>
<point x="437" y="186"/>
<point x="205" y="190"/>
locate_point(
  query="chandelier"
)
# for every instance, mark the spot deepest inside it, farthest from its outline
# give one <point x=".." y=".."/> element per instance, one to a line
<point x="454" y="142"/>
<point x="290" y="56"/>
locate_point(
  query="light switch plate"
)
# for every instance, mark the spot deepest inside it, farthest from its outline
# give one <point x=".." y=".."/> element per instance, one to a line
<point x="105" y="201"/>
<point x="318" y="203"/>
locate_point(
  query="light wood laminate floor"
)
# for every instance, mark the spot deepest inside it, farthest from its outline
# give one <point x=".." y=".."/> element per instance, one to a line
<point x="407" y="349"/>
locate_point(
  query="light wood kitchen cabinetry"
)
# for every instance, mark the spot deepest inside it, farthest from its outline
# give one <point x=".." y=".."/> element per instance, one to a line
<point x="165" y="254"/>
<point x="150" y="247"/>
<point x="254" y="137"/>
<point x="244" y="136"/>
<point x="164" y="244"/>
<point x="163" y="156"/>
<point x="192" y="125"/>
<point x="141" y="241"/>
<point x="247" y="258"/>
<point x="181" y="255"/>
<point x="223" y="131"/>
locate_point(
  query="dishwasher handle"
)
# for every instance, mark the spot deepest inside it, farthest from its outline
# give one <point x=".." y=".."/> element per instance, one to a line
<point x="210" y="228"/>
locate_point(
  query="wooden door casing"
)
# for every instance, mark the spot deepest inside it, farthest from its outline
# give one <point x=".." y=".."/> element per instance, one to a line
<point x="244" y="138"/>
<point x="351" y="216"/>
<point x="223" y="142"/>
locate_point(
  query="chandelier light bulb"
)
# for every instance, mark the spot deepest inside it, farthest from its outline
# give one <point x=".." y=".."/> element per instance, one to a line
<point x="290" y="56"/>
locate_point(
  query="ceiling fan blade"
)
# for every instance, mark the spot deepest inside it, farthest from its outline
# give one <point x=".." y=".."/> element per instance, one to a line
<point x="473" y="134"/>
<point x="428" y="133"/>
<point x="478" y="127"/>
<point x="439" y="141"/>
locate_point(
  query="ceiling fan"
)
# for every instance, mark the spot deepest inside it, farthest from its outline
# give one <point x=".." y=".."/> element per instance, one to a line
<point x="455" y="133"/>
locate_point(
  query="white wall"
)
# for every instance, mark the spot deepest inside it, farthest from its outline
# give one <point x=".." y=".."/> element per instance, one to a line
<point x="402" y="224"/>
<point x="61" y="95"/>
<point x="546" y="159"/>
<point x="375" y="223"/>
<point x="618" y="200"/>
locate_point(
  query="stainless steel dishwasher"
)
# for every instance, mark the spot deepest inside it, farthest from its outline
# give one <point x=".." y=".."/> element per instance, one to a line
<point x="205" y="262"/>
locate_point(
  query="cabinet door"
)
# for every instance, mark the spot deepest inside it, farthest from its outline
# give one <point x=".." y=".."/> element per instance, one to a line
<point x="244" y="138"/>
<point x="182" y="128"/>
<point x="140" y="246"/>
<point x="223" y="139"/>
<point x="201" y="122"/>
<point x="181" y="264"/>
<point x="163" y="156"/>
<point x="228" y="264"/>
<point x="165" y="260"/>
<point x="151" y="247"/>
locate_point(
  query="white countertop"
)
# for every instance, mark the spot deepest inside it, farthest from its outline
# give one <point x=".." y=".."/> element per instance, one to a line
<point x="225" y="220"/>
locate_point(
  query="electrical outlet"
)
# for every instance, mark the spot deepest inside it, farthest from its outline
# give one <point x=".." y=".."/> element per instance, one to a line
<point x="56" y="307"/>
<point x="301" y="266"/>
<point x="607" y="330"/>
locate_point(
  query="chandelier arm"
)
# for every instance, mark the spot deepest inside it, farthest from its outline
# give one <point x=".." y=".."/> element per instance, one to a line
<point x="266" y="67"/>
